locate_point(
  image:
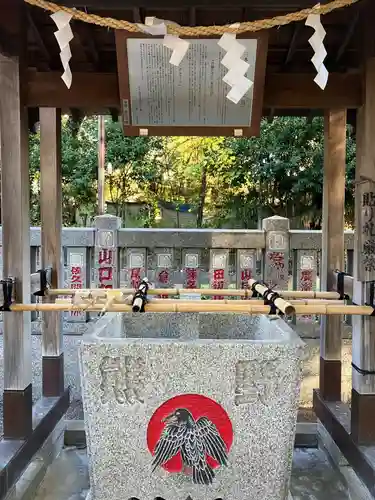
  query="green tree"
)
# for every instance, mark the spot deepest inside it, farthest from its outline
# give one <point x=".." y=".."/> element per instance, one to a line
<point x="226" y="182"/>
<point x="78" y="168"/>
<point x="187" y="169"/>
<point x="281" y="173"/>
<point x="133" y="169"/>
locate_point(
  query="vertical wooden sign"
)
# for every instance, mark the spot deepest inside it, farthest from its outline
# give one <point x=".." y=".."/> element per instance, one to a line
<point x="366" y="231"/>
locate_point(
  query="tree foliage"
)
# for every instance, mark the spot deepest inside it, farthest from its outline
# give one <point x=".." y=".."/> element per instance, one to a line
<point x="281" y="173"/>
<point x="224" y="182"/>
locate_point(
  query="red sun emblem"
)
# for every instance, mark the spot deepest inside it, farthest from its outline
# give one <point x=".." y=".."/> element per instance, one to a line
<point x="191" y="434"/>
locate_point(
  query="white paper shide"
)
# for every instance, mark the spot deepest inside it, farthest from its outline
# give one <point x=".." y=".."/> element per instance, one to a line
<point x="156" y="27"/>
<point x="320" y="53"/>
<point x="64" y="36"/>
<point x="236" y="66"/>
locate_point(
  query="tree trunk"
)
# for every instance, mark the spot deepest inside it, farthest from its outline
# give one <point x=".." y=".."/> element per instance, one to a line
<point x="202" y="197"/>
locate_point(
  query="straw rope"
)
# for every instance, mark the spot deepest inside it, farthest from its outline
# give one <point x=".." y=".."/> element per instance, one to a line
<point x="189" y="31"/>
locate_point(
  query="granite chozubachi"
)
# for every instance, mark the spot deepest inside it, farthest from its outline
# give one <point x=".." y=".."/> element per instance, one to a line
<point x="190" y="442"/>
<point x="197" y="405"/>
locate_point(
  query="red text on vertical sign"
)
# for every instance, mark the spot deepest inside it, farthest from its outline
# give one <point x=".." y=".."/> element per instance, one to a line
<point x="163" y="278"/>
<point x="105" y="271"/>
<point x="306" y="280"/>
<point x="245" y="277"/>
<point x="135" y="277"/>
<point x="75" y="283"/>
<point x="191" y="277"/>
<point x="277" y="262"/>
<point x="218" y="282"/>
<point x="306" y="284"/>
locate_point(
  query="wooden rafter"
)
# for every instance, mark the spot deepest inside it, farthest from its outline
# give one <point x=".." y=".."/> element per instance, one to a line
<point x="79" y="49"/>
<point x="348" y="37"/>
<point x="137" y="15"/>
<point x="39" y="38"/>
<point x="192" y="16"/>
<point x="90" y="44"/>
<point x="293" y="43"/>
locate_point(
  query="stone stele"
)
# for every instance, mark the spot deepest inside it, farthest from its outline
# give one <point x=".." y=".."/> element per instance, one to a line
<point x="238" y="376"/>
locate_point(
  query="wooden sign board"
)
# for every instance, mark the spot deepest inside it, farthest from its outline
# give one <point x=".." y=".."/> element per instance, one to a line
<point x="365" y="233"/>
<point x="160" y="99"/>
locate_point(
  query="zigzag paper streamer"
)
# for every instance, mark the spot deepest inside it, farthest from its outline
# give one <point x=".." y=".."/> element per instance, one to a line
<point x="179" y="47"/>
<point x="155" y="27"/>
<point x="236" y="66"/>
<point x="320" y="53"/>
<point x="64" y="36"/>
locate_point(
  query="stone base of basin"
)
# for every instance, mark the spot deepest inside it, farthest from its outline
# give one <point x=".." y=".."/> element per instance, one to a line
<point x="209" y="415"/>
<point x="89" y="496"/>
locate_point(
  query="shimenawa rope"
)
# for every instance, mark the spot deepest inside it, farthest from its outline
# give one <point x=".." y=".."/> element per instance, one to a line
<point x="194" y="31"/>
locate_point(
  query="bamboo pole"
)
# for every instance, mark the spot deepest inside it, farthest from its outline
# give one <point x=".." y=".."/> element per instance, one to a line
<point x="202" y="306"/>
<point x="226" y="292"/>
<point x="281" y="304"/>
<point x="112" y="296"/>
<point x="125" y="300"/>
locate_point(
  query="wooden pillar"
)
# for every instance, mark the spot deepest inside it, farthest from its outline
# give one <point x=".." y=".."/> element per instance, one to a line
<point x="16" y="249"/>
<point x="333" y="247"/>
<point x="51" y="218"/>
<point x="363" y="372"/>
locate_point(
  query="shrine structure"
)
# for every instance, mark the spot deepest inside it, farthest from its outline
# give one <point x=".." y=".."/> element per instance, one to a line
<point x="101" y="65"/>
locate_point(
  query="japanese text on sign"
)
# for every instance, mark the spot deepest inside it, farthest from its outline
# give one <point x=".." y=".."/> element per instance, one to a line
<point x="306" y="280"/>
<point x="136" y="268"/>
<point x="163" y="278"/>
<point x="76" y="284"/>
<point x="368" y="231"/>
<point x="191" y="277"/>
<point x="277" y="264"/>
<point x="218" y="282"/>
<point x="164" y="262"/>
<point x="245" y="277"/>
<point x="135" y="277"/>
<point x="105" y="270"/>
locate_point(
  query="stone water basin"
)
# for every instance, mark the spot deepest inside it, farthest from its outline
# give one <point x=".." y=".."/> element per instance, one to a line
<point x="182" y="405"/>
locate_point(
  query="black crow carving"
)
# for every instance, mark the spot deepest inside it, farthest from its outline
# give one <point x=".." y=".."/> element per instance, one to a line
<point x="194" y="440"/>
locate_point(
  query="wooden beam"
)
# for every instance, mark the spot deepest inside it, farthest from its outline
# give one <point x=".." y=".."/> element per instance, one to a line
<point x="299" y="91"/>
<point x="363" y="372"/>
<point x="15" y="456"/>
<point x="12" y="41"/>
<point x="16" y="238"/>
<point x="95" y="91"/>
<point x="333" y="247"/>
<point x="273" y="6"/>
<point x="99" y="91"/>
<point x="335" y="417"/>
<point x="51" y="222"/>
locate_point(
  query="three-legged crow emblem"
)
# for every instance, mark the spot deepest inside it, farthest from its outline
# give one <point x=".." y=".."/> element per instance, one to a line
<point x="194" y="440"/>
